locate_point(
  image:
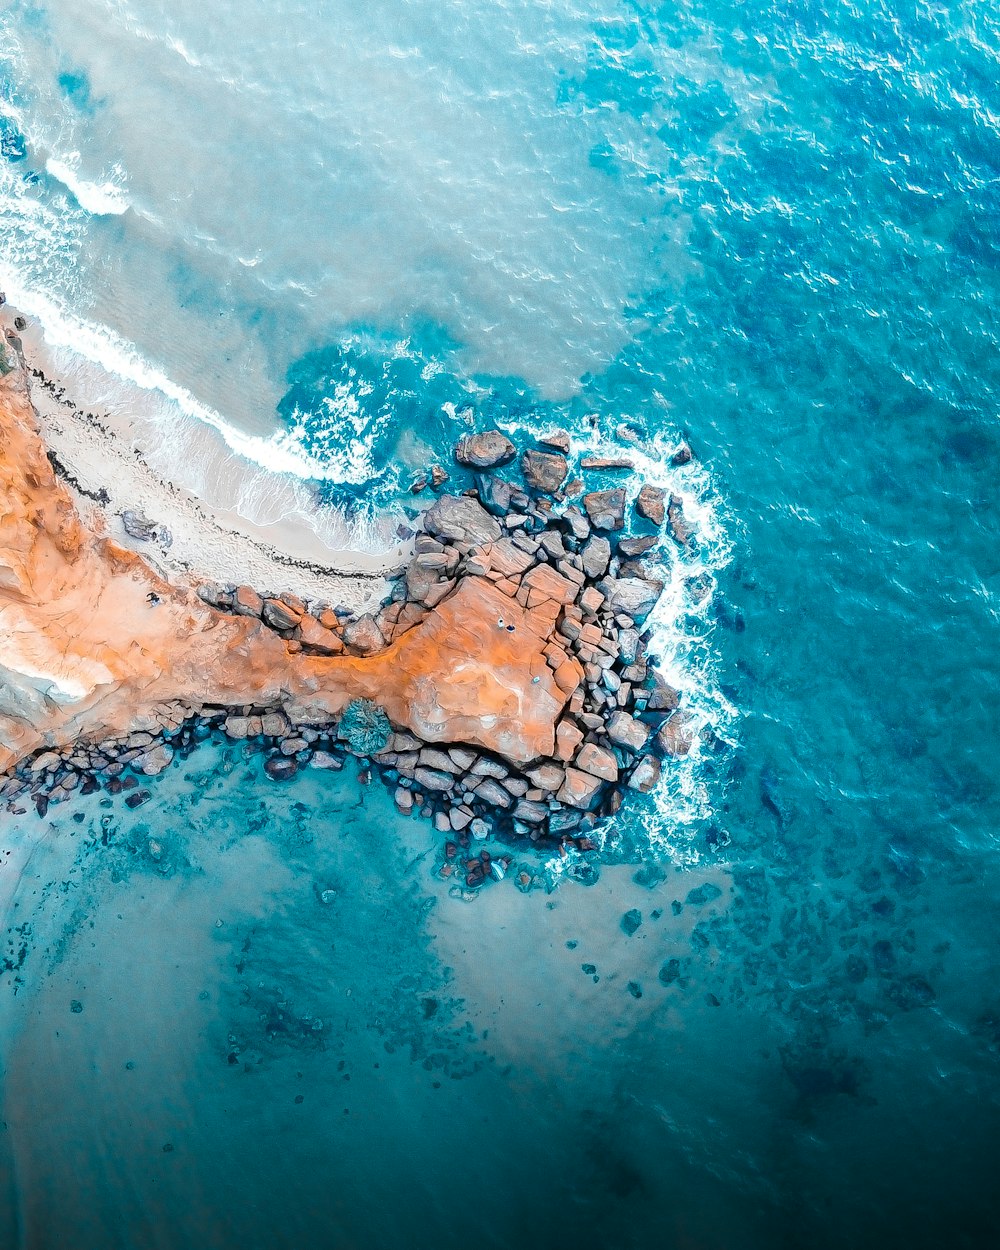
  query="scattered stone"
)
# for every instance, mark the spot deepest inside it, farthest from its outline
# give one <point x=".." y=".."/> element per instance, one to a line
<point x="236" y="727"/>
<point x="649" y="504"/>
<point x="606" y="462"/>
<point x="606" y="508"/>
<point x="493" y="793"/>
<point x="280" y="768"/>
<point x="155" y="760"/>
<point x="636" y="596"/>
<point x="318" y="638"/>
<point x="531" y="811"/>
<point x="439" y="476"/>
<point x="138" y="526"/>
<point x="487" y="450"/>
<point x="323" y="759"/>
<point x="137" y="798"/>
<point x="432" y="757"/>
<point x="683" y="455"/>
<point x="596" y="555"/>
<point x="433" y="779"/>
<point x="547" y="776"/>
<point x="544" y="471"/>
<point x="632" y="547"/>
<point x="631" y="922"/>
<point x="543" y="582"/>
<point x="274" y="724"/>
<point x="578" y="524"/>
<point x="485" y="767"/>
<point x="568" y="738"/>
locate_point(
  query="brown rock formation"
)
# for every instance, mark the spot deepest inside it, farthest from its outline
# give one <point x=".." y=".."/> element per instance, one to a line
<point x="84" y="654"/>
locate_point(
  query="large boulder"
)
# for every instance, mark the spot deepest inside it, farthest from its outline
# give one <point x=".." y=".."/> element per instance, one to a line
<point x="315" y="636"/>
<point x="645" y="775"/>
<point x="494" y="493"/>
<point x="579" y="789"/>
<point x="677" y="735"/>
<point x="625" y="731"/>
<point x="247" y="602"/>
<point x="598" y="761"/>
<point x="544" y="470"/>
<point x="606" y="508"/>
<point x="279" y="615"/>
<point x="635" y="596"/>
<point x="596" y="556"/>
<point x="485" y="451"/>
<point x="649" y="504"/>
<point x="363" y="636"/>
<point x="461" y="519"/>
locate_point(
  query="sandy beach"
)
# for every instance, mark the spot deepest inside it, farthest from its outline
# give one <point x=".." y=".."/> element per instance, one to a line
<point x="112" y="463"/>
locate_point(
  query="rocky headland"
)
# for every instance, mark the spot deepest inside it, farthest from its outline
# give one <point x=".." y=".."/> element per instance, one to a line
<point x="504" y="681"/>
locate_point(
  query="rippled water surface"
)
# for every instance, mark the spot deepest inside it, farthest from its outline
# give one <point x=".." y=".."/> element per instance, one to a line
<point x="343" y="238"/>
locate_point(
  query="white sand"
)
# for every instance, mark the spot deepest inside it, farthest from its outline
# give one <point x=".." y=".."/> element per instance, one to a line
<point x="101" y="450"/>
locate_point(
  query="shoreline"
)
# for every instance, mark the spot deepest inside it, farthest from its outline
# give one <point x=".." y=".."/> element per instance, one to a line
<point x="96" y="457"/>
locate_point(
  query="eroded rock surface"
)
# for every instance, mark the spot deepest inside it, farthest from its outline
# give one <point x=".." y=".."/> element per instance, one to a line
<point x="84" y="653"/>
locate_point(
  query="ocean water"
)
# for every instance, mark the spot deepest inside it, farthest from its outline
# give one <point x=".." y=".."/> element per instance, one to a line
<point x="335" y="237"/>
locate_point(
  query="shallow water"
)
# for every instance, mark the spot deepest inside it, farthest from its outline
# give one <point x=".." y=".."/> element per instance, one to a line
<point x="782" y="237"/>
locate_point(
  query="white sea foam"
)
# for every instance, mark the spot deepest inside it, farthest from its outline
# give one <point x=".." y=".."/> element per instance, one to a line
<point x="681" y="630"/>
<point x="101" y="199"/>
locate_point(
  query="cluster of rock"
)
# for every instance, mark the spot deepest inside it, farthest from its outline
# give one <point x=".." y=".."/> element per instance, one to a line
<point x="583" y="584"/>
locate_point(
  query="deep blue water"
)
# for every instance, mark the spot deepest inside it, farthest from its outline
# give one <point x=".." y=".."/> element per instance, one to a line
<point x="772" y="229"/>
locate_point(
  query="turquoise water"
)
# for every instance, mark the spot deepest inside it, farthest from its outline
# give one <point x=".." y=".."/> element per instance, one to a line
<point x="770" y="228"/>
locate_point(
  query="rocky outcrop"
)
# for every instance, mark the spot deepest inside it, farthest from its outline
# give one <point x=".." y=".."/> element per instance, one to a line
<point x="510" y="660"/>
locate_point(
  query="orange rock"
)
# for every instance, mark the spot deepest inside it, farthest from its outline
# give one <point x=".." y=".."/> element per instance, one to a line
<point x="84" y="655"/>
<point x="568" y="738"/>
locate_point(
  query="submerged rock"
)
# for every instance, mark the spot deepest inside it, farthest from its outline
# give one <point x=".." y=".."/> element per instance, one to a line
<point x="632" y="922"/>
<point x="281" y="768"/>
